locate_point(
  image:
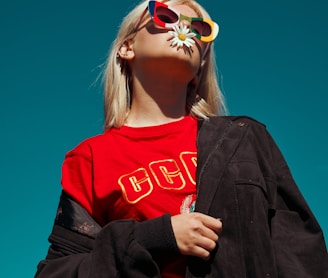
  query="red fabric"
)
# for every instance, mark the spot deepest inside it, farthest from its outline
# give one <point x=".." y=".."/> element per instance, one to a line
<point x="138" y="173"/>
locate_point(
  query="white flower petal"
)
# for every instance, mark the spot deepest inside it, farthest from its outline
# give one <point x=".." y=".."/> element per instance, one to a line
<point x="181" y="30"/>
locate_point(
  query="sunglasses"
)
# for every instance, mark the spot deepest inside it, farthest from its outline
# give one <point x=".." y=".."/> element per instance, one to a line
<point x="165" y="16"/>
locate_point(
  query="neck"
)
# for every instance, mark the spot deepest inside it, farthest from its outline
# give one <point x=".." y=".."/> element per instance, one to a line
<point x="156" y="100"/>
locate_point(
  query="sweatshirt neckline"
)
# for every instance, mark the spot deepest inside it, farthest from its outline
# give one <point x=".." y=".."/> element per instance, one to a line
<point x="156" y="130"/>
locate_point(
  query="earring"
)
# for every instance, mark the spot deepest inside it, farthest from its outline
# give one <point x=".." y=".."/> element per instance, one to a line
<point x="125" y="55"/>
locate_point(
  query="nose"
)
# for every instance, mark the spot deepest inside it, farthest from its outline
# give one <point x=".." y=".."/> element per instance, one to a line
<point x="185" y="23"/>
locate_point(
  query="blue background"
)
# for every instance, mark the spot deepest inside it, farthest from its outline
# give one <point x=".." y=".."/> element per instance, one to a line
<point x="272" y="58"/>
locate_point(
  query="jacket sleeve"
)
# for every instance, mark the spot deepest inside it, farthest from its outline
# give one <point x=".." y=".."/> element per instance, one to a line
<point x="81" y="248"/>
<point x="297" y="238"/>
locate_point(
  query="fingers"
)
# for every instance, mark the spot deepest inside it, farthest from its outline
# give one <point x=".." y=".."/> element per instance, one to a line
<point x="201" y="253"/>
<point x="210" y="222"/>
<point x="196" y="233"/>
<point x="207" y="230"/>
<point x="207" y="226"/>
<point x="209" y="233"/>
<point x="205" y="247"/>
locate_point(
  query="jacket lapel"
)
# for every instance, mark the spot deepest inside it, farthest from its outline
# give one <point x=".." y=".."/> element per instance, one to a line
<point x="218" y="138"/>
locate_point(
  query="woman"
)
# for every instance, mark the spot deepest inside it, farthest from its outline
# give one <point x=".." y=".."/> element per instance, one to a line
<point x="149" y="197"/>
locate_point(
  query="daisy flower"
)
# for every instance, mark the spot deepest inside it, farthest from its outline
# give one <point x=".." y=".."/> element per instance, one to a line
<point x="181" y="36"/>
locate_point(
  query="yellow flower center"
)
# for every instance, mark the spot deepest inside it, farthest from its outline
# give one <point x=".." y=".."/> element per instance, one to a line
<point x="182" y="37"/>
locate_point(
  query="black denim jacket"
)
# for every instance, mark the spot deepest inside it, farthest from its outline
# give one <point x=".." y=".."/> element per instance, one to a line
<point x="242" y="178"/>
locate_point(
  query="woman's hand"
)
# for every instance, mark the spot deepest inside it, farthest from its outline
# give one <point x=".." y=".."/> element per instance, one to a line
<point x="196" y="233"/>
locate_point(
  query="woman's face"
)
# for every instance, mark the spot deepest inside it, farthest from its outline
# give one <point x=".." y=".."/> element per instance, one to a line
<point x="152" y="47"/>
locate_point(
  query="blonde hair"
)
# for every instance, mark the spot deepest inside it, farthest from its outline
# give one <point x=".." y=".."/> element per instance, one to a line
<point x="204" y="98"/>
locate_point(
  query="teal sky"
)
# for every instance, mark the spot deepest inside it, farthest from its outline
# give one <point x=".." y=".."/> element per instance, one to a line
<point x="272" y="58"/>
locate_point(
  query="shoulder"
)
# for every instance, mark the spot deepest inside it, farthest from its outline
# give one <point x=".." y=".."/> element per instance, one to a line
<point x="239" y="120"/>
<point x="235" y="126"/>
<point x="231" y="121"/>
<point x="86" y="146"/>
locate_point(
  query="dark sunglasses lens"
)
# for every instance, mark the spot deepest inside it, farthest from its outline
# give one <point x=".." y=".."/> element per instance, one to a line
<point x="202" y="28"/>
<point x="166" y="15"/>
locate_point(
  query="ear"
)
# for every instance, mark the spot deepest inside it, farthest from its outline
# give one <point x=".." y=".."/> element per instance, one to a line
<point x="126" y="51"/>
